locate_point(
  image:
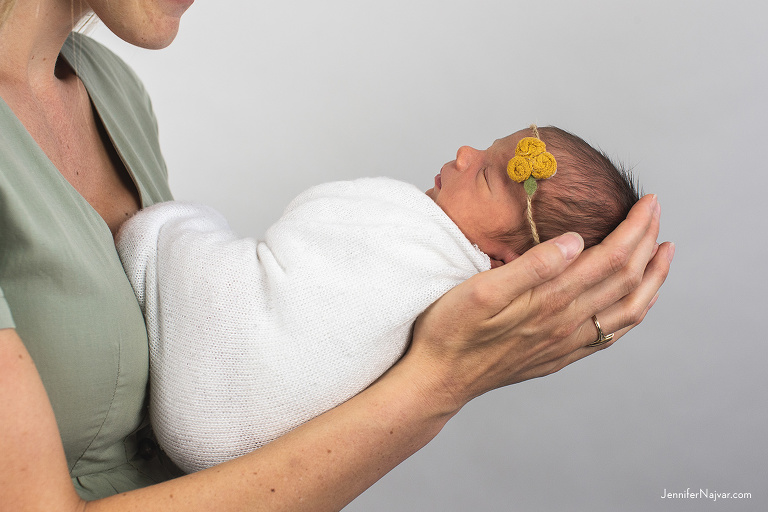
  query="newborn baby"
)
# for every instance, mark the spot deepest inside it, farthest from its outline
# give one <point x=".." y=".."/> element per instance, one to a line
<point x="250" y="339"/>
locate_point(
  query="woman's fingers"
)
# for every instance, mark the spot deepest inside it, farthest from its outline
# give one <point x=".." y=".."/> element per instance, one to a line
<point x="596" y="279"/>
<point x="631" y="309"/>
<point x="608" y="271"/>
<point x="621" y="317"/>
<point x="622" y="297"/>
<point x="586" y="334"/>
<point x="627" y="279"/>
<point x="618" y="319"/>
<point x="495" y="289"/>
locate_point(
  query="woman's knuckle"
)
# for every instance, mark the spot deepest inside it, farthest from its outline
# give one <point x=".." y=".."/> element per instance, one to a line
<point x="482" y="295"/>
<point x="559" y="302"/>
<point x="563" y="330"/>
<point x="629" y="316"/>
<point x="618" y="258"/>
<point x="628" y="280"/>
<point x="540" y="266"/>
<point x="636" y="313"/>
<point x="634" y="279"/>
<point x="549" y="307"/>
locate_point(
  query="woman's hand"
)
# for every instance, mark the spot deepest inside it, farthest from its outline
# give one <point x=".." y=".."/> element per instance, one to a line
<point x="532" y="316"/>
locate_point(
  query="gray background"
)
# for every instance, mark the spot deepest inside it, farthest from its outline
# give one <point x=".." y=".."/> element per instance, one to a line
<point x="259" y="100"/>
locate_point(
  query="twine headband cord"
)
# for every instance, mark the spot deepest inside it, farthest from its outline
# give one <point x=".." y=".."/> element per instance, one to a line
<point x="531" y="163"/>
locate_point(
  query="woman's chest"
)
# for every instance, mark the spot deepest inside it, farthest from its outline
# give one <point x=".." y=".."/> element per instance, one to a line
<point x="70" y="133"/>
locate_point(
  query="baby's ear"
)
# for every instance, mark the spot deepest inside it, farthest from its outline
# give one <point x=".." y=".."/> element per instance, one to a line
<point x="507" y="256"/>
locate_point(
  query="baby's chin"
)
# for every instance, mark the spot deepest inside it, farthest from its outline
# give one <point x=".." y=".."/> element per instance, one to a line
<point x="431" y="193"/>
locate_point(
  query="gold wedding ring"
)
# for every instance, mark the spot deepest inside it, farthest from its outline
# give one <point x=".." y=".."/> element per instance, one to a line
<point x="601" y="338"/>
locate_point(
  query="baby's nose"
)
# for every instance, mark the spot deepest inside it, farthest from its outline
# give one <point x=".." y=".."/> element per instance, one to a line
<point x="465" y="156"/>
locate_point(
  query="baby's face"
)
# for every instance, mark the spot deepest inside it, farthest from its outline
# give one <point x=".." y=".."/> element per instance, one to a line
<point x="477" y="194"/>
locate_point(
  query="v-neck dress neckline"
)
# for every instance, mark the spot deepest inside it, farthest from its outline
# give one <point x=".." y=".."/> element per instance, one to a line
<point x="83" y="68"/>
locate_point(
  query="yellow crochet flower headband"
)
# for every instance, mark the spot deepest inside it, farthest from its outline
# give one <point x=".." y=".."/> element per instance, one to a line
<point x="531" y="162"/>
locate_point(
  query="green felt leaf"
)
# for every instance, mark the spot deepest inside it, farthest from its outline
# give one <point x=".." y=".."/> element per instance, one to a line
<point x="530" y="186"/>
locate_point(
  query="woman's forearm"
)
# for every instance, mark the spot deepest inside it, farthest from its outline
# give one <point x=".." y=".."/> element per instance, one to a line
<point x="322" y="465"/>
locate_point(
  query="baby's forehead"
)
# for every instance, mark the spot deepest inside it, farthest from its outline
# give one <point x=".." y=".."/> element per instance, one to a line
<point x="505" y="146"/>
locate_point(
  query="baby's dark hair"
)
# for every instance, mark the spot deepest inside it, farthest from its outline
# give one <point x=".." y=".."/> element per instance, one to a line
<point x="589" y="194"/>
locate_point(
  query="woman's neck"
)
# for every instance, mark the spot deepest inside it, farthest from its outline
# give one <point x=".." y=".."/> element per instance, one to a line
<point x="31" y="39"/>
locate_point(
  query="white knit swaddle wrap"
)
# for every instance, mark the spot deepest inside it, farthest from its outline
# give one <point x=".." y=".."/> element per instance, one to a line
<point x="249" y="340"/>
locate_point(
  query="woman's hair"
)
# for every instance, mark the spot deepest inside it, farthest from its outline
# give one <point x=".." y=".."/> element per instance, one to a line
<point x="589" y="194"/>
<point x="5" y="8"/>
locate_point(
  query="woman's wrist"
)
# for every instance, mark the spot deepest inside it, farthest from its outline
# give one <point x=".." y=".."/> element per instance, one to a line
<point x="429" y="382"/>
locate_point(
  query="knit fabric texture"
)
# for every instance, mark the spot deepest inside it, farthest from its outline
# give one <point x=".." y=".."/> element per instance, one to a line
<point x="249" y="339"/>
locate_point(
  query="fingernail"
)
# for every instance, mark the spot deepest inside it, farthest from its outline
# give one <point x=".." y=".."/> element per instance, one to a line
<point x="654" y="202"/>
<point x="671" y="252"/>
<point x="570" y="245"/>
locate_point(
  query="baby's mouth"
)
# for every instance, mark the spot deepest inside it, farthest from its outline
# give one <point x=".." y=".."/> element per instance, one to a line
<point x="438" y="182"/>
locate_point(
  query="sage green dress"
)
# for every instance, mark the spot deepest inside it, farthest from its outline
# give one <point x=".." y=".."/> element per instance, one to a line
<point x="62" y="286"/>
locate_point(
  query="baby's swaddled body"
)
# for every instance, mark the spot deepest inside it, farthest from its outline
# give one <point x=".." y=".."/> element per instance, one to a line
<point x="250" y="339"/>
